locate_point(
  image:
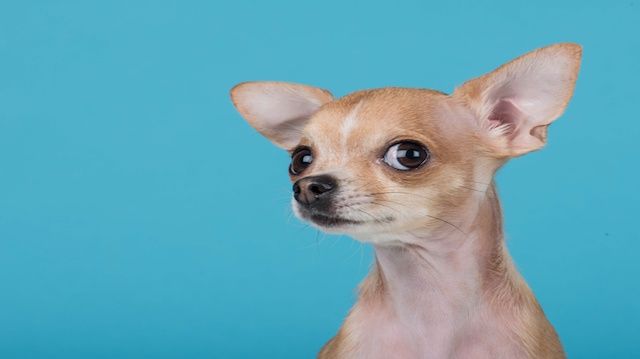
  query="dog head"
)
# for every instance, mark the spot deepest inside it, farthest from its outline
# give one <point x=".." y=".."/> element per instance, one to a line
<point x="397" y="159"/>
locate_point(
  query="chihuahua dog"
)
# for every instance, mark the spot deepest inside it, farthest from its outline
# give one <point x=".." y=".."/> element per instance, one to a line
<point x="411" y="171"/>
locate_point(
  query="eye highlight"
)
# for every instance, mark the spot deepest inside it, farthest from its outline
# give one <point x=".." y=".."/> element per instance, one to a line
<point x="406" y="155"/>
<point x="300" y="160"/>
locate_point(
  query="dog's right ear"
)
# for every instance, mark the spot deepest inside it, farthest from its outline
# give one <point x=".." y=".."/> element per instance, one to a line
<point x="278" y="110"/>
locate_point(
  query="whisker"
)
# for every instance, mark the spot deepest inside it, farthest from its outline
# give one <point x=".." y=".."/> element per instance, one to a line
<point x="474" y="189"/>
<point x="439" y="219"/>
<point x="384" y="205"/>
<point x="353" y="253"/>
<point x="447" y="222"/>
<point x="486" y="184"/>
<point x="386" y="200"/>
<point x="405" y="193"/>
<point x="374" y="218"/>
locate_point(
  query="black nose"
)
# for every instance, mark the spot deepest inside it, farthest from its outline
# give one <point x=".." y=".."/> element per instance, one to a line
<point x="314" y="190"/>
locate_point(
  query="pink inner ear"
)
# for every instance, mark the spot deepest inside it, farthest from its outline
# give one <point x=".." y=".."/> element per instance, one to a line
<point x="506" y="116"/>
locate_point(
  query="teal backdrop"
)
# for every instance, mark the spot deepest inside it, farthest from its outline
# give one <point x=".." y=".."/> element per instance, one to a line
<point x="141" y="217"/>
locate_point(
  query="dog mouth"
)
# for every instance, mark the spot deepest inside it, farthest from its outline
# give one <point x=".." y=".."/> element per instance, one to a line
<point x="330" y="220"/>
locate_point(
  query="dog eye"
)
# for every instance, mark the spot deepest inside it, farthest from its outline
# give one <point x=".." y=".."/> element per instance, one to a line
<point x="405" y="156"/>
<point x="300" y="160"/>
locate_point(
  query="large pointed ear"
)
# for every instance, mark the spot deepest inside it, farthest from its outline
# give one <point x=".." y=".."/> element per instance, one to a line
<point x="515" y="103"/>
<point x="278" y="110"/>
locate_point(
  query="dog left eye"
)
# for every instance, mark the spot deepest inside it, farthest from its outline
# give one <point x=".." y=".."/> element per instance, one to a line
<point x="405" y="156"/>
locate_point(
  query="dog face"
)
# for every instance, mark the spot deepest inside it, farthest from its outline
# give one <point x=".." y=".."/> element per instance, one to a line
<point x="382" y="161"/>
<point x="395" y="160"/>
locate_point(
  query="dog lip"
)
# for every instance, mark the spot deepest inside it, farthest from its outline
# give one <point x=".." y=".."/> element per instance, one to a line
<point x="330" y="221"/>
<point x="326" y="219"/>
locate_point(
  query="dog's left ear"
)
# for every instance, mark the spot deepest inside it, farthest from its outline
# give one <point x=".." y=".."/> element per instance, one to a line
<point x="278" y="110"/>
<point x="516" y="103"/>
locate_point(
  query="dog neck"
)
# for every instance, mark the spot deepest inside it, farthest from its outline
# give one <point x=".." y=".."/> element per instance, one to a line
<point x="447" y="271"/>
<point x="438" y="294"/>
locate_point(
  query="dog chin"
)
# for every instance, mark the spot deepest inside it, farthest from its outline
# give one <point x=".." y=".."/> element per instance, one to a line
<point x="332" y="223"/>
<point x="328" y="222"/>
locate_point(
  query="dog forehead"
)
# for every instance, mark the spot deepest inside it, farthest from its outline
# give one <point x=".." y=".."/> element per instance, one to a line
<point x="372" y="117"/>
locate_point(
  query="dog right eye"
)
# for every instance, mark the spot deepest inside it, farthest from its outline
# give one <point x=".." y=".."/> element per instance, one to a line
<point x="300" y="160"/>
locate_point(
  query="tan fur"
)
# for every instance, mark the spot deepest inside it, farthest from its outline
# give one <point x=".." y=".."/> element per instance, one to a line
<point x="503" y="287"/>
<point x="443" y="284"/>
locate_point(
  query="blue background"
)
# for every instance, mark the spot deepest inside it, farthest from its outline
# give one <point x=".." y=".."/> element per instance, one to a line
<point x="140" y="217"/>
